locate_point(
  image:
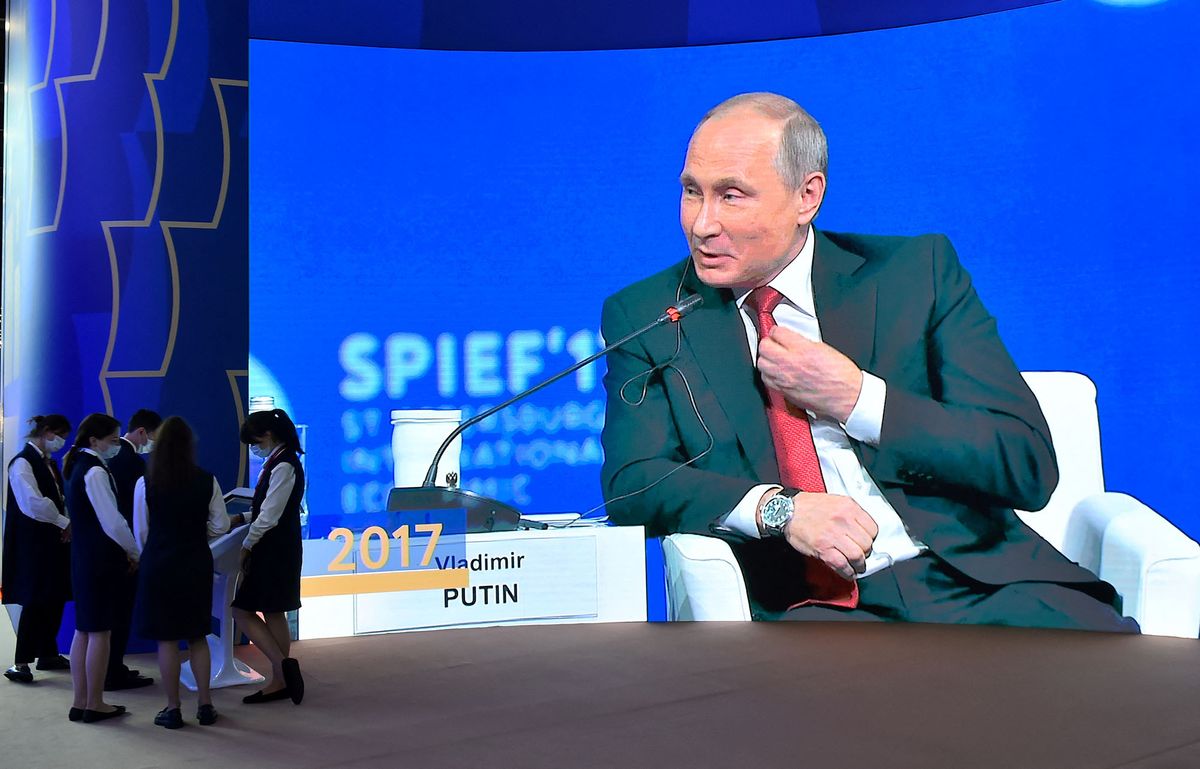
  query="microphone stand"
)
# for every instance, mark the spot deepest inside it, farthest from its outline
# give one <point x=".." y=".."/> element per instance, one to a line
<point x="483" y="513"/>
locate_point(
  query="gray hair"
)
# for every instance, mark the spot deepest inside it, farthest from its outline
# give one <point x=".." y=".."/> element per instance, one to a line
<point x="802" y="145"/>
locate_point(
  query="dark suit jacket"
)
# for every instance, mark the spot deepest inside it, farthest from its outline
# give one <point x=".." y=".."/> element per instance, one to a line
<point x="963" y="440"/>
<point x="126" y="467"/>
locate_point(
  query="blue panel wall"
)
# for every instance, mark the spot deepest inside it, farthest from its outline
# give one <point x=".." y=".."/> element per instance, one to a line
<point x="125" y="216"/>
<point x="550" y="25"/>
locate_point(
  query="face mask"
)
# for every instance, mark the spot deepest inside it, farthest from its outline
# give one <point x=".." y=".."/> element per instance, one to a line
<point x="110" y="451"/>
<point x="55" y="443"/>
<point x="260" y="452"/>
<point x="147" y="447"/>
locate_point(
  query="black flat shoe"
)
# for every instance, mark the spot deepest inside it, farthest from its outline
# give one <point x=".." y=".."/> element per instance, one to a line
<point x="135" y="681"/>
<point x="170" y="718"/>
<point x="19" y="674"/>
<point x="261" y="696"/>
<point x="92" y="716"/>
<point x="57" y="662"/>
<point x="206" y="715"/>
<point x="75" y="714"/>
<point x="293" y="679"/>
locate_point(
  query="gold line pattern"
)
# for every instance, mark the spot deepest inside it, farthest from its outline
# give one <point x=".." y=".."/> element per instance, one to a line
<point x="59" y="82"/>
<point x="233" y="374"/>
<point x="151" y="79"/>
<point x="211" y="224"/>
<point x="169" y="240"/>
<point x="49" y="51"/>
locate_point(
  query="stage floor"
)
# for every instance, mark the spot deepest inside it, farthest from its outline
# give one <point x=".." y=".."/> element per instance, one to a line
<point x="664" y="695"/>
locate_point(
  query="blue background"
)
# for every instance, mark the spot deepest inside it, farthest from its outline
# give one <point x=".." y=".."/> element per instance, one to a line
<point x="432" y="192"/>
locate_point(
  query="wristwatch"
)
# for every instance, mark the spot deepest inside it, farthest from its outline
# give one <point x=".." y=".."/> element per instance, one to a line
<point x="778" y="510"/>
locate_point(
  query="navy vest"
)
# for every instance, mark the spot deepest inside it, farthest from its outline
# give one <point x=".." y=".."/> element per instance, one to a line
<point x="93" y="552"/>
<point x="126" y="467"/>
<point x="286" y="533"/>
<point x="36" y="566"/>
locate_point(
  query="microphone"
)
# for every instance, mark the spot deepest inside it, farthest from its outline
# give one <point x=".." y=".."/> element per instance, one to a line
<point x="484" y="514"/>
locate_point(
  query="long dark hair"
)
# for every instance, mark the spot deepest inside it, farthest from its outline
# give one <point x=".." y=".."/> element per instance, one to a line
<point x="277" y="423"/>
<point x="173" y="461"/>
<point x="96" y="426"/>
<point x="55" y="423"/>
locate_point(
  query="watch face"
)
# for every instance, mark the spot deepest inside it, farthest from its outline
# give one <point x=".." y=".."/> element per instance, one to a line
<point x="776" y="512"/>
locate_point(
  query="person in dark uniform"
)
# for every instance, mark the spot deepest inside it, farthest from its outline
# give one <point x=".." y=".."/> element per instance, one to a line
<point x="177" y="506"/>
<point x="103" y="554"/>
<point x="271" y="554"/>
<point x="37" y="551"/>
<point x="127" y="467"/>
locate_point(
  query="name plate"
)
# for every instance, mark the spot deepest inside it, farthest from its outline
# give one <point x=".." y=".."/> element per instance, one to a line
<point x="515" y="578"/>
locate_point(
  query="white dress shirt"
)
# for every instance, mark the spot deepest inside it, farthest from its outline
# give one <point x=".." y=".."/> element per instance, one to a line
<point x="218" y="518"/>
<point x="842" y="471"/>
<point x="98" y="484"/>
<point x="29" y="497"/>
<point x="279" y="488"/>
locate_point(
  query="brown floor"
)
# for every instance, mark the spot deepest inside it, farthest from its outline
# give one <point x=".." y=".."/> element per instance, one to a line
<point x="658" y="695"/>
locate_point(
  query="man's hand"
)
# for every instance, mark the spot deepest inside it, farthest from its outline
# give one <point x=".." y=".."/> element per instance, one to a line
<point x="65" y="536"/>
<point x="811" y="375"/>
<point x="833" y="529"/>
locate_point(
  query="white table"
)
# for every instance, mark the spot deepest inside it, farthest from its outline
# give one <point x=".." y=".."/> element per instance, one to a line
<point x="568" y="575"/>
<point x="227" y="670"/>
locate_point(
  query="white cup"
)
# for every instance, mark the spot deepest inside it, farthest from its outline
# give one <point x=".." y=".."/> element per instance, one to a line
<point x="416" y="435"/>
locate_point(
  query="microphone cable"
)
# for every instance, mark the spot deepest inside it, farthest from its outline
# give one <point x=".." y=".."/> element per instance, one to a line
<point x="667" y="365"/>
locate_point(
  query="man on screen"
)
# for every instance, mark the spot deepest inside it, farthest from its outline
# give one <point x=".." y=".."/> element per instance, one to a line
<point x="840" y="408"/>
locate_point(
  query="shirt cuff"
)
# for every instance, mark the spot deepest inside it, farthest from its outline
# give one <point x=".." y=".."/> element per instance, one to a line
<point x="866" y="419"/>
<point x="62" y="522"/>
<point x="744" y="517"/>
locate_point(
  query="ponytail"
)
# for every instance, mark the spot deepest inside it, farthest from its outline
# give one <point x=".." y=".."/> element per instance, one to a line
<point x="55" y="423"/>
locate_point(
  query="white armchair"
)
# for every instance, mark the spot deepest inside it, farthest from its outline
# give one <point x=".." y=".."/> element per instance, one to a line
<point x="1153" y="565"/>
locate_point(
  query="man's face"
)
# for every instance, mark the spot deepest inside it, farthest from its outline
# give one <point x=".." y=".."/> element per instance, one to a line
<point x="742" y="222"/>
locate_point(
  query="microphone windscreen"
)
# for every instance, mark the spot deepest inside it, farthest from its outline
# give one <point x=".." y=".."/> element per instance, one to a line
<point x="688" y="304"/>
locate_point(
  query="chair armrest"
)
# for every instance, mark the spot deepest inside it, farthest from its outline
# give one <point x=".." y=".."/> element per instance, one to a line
<point x="1153" y="565"/>
<point x="704" y="580"/>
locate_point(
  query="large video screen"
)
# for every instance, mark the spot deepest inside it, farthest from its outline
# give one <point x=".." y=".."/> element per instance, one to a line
<point x="438" y="230"/>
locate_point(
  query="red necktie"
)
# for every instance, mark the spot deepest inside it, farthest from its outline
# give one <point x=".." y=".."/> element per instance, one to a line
<point x="799" y="466"/>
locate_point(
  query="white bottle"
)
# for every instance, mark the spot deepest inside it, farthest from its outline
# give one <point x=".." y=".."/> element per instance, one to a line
<point x="416" y="435"/>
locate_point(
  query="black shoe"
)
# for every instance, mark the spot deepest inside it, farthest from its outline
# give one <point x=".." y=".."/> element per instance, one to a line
<point x="135" y="681"/>
<point x="75" y="714"/>
<point x="20" y="674"/>
<point x="293" y="679"/>
<point x="261" y="696"/>
<point x="171" y="718"/>
<point x="206" y="715"/>
<point x="57" y="662"/>
<point x="92" y="716"/>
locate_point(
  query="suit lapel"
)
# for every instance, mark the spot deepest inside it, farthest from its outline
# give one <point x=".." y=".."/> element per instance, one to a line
<point x="845" y="299"/>
<point x="717" y="337"/>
